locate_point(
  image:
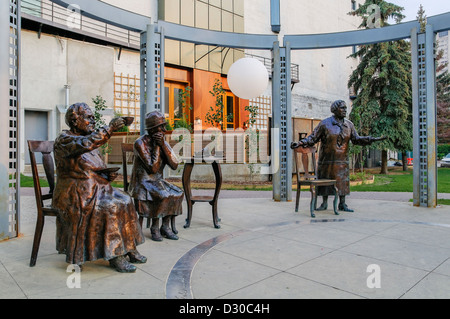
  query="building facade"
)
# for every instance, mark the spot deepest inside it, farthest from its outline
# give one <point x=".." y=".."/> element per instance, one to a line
<point x="68" y="58"/>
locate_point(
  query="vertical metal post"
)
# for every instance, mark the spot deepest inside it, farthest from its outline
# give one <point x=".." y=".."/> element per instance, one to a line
<point x="276" y="120"/>
<point x="288" y="124"/>
<point x="9" y="126"/>
<point x="281" y="118"/>
<point x="275" y="19"/>
<point x="143" y="78"/>
<point x="152" y="72"/>
<point x="431" y="115"/>
<point x="162" y="55"/>
<point x="415" y="115"/>
<point x="424" y="118"/>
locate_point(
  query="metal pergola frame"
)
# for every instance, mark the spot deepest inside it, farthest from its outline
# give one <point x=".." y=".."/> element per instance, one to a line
<point x="152" y="75"/>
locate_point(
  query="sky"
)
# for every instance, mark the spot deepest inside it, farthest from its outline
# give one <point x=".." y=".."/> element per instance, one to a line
<point x="432" y="7"/>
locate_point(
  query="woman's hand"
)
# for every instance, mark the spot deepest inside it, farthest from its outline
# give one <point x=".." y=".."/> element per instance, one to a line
<point x="295" y="145"/>
<point x="158" y="138"/>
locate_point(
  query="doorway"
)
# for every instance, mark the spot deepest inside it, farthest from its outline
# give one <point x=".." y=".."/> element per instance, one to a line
<point x="36" y="128"/>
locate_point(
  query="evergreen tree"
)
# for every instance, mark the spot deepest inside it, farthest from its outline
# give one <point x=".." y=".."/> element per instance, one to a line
<point x="382" y="82"/>
<point x="442" y="100"/>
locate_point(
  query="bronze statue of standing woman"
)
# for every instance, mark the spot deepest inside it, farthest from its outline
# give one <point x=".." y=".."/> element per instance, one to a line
<point x="335" y="134"/>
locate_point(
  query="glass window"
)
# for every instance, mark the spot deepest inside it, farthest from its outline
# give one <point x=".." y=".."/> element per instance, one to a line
<point x="176" y="107"/>
<point x="229" y="113"/>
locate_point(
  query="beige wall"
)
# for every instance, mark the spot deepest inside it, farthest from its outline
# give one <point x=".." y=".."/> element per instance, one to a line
<point x="147" y="8"/>
<point x="90" y="70"/>
<point x="51" y="62"/>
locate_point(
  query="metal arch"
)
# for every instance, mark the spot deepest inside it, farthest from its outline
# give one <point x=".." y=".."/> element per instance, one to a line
<point x="217" y="38"/>
<point x="367" y="36"/>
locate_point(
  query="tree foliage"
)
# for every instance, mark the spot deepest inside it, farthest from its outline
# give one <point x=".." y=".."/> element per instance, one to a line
<point x="215" y="115"/>
<point x="443" y="101"/>
<point x="382" y="82"/>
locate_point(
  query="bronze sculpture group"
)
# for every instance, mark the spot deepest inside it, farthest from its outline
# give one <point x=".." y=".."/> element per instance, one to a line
<point x="98" y="221"/>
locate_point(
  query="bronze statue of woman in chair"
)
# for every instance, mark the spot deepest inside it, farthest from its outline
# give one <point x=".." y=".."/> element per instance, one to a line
<point x="95" y="220"/>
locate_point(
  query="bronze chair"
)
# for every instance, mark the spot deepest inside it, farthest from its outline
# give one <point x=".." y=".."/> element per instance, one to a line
<point x="46" y="149"/>
<point x="127" y="148"/>
<point x="310" y="178"/>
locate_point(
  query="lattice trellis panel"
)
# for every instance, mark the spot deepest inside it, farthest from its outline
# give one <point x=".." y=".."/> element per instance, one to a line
<point x="264" y="104"/>
<point x="127" y="98"/>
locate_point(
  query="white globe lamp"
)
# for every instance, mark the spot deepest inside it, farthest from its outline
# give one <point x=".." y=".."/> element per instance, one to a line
<point x="248" y="78"/>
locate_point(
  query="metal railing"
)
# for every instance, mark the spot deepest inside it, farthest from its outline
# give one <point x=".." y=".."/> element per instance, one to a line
<point x="74" y="21"/>
<point x="295" y="77"/>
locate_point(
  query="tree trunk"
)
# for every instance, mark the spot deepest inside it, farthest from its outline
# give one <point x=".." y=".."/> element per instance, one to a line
<point x="384" y="160"/>
<point x="404" y="161"/>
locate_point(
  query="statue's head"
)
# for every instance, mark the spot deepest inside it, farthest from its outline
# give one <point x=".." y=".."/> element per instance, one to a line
<point x="339" y="109"/>
<point x="154" y="120"/>
<point x="80" y="119"/>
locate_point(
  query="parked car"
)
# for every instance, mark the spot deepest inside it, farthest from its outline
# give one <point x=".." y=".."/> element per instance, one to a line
<point x="445" y="162"/>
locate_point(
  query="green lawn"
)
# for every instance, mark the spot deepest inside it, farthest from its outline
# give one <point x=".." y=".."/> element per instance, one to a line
<point x="399" y="181"/>
<point x="396" y="181"/>
<point x="27" y="181"/>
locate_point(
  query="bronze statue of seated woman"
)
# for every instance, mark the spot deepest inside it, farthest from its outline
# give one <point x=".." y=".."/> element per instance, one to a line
<point x="95" y="220"/>
<point x="156" y="197"/>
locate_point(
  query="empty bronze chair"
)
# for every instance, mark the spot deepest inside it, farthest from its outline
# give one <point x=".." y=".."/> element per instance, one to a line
<point x="309" y="177"/>
<point x="43" y="210"/>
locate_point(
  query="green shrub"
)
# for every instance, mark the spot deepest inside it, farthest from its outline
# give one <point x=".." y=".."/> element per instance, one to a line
<point x="443" y="150"/>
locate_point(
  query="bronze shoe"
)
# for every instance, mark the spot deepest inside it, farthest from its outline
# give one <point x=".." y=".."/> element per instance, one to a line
<point x="156" y="235"/>
<point x="167" y="232"/>
<point x="136" y="257"/>
<point x="345" y="208"/>
<point x="122" y="265"/>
